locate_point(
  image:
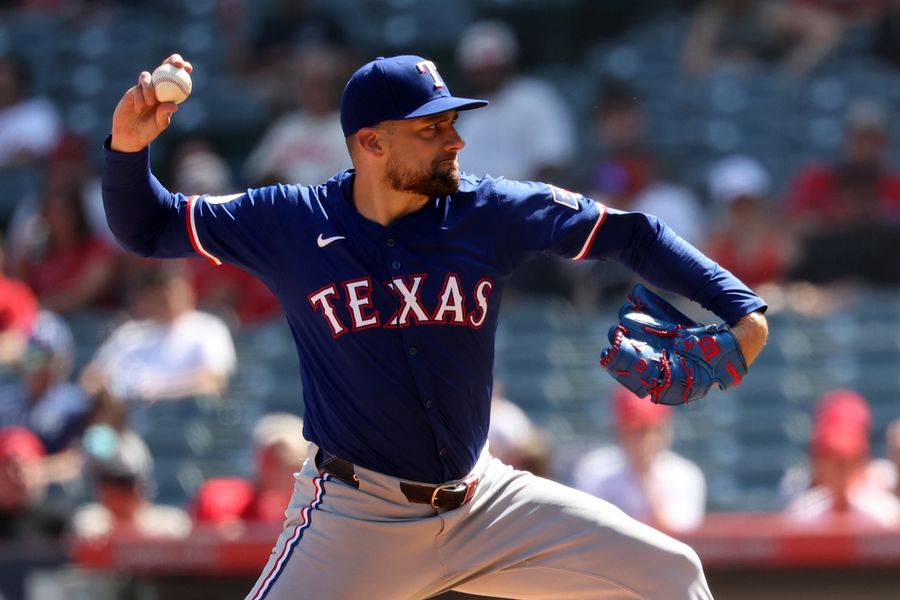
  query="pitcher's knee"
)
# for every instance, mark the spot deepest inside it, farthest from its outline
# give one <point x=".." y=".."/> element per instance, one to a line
<point x="686" y="575"/>
<point x="689" y="556"/>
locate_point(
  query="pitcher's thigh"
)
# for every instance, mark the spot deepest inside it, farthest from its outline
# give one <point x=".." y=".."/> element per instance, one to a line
<point x="550" y="541"/>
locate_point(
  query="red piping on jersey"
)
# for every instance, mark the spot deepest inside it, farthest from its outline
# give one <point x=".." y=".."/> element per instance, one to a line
<point x="590" y="239"/>
<point x="194" y="235"/>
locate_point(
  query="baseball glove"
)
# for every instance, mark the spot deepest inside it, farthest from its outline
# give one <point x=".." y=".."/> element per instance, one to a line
<point x="657" y="350"/>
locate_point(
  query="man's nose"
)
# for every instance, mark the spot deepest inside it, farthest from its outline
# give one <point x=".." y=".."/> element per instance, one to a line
<point x="455" y="143"/>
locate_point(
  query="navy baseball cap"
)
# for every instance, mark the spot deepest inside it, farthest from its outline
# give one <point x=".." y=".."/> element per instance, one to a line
<point x="394" y="88"/>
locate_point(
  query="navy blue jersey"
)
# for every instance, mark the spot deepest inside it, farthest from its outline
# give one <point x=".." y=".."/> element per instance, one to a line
<point x="395" y="325"/>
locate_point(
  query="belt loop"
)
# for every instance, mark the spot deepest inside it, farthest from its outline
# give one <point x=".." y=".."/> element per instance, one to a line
<point x="339" y="468"/>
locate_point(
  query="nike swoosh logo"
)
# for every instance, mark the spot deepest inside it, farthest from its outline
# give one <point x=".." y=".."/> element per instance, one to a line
<point x="324" y="241"/>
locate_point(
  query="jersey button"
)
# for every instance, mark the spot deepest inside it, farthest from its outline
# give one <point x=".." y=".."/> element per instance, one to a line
<point x="442" y="451"/>
<point x="413" y="351"/>
<point x="396" y="265"/>
<point x="391" y="242"/>
<point x="428" y="403"/>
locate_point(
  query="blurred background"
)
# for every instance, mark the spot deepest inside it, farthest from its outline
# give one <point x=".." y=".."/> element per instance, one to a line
<point x="154" y="401"/>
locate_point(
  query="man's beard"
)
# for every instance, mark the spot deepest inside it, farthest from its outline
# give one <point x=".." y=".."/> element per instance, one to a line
<point x="433" y="183"/>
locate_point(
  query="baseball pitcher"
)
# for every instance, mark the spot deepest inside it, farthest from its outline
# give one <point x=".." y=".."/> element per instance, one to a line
<point x="391" y="276"/>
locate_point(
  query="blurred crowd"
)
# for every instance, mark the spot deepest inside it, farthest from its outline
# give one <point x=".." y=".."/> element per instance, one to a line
<point x="833" y="220"/>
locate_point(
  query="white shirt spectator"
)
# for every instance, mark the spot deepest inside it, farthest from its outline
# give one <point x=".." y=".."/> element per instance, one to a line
<point x="607" y="474"/>
<point x="527" y="127"/>
<point x="30" y="127"/>
<point x="869" y="505"/>
<point x="677" y="206"/>
<point x="95" y="521"/>
<point x="300" y="148"/>
<point x="513" y="437"/>
<point x="149" y="360"/>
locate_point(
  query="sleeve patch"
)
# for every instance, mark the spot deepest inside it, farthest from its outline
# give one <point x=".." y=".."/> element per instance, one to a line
<point x="564" y="197"/>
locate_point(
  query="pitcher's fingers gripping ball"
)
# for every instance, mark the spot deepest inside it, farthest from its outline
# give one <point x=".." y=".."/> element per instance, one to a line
<point x="171" y="83"/>
<point x="657" y="350"/>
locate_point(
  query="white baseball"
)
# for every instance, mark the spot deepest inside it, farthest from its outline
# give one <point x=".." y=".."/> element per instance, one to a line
<point x="172" y="84"/>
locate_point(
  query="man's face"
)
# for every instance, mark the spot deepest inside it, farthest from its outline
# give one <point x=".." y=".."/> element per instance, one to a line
<point x="838" y="474"/>
<point x="645" y="442"/>
<point x="422" y="154"/>
<point x="867" y="146"/>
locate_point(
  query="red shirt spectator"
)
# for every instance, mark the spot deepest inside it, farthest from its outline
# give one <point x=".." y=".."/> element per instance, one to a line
<point x="229" y="288"/>
<point x="280" y="451"/>
<point x="861" y="187"/>
<point x="816" y="192"/>
<point x="842" y="490"/>
<point x="765" y="262"/>
<point x="62" y="270"/>
<point x="67" y="266"/>
<point x="747" y="241"/>
<point x="225" y="499"/>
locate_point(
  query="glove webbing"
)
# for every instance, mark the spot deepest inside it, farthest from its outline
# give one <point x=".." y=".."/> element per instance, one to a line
<point x="656" y="387"/>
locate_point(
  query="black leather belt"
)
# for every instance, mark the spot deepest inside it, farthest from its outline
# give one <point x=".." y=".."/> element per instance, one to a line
<point x="445" y="497"/>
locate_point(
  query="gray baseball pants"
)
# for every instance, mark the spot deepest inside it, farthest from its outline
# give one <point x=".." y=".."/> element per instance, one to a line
<point x="520" y="536"/>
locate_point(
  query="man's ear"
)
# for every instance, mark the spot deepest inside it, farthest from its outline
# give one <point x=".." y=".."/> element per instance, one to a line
<point x="369" y="140"/>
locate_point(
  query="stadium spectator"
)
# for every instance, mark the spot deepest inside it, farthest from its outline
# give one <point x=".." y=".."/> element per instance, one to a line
<point x="742" y="36"/>
<point x="29" y="125"/>
<point x="307" y="143"/>
<point x="640" y="474"/>
<point x="18" y="308"/>
<point x="65" y="263"/>
<point x="68" y="167"/>
<point x="233" y="294"/>
<point x="529" y="131"/>
<point x="748" y="240"/>
<point x="43" y="400"/>
<point x="224" y="289"/>
<point x="619" y="120"/>
<point x="645" y="188"/>
<point x="22" y="489"/>
<point x="848" y="211"/>
<point x="120" y="469"/>
<point x="630" y="173"/>
<point x="621" y="170"/>
<point x="197" y="167"/>
<point x="842" y="489"/>
<point x="514" y="438"/>
<point x="279" y="451"/>
<point x="862" y="186"/>
<point x="263" y="50"/>
<point x="624" y="170"/>
<point x="168" y="349"/>
<point x="886" y="471"/>
<point x="31" y="528"/>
